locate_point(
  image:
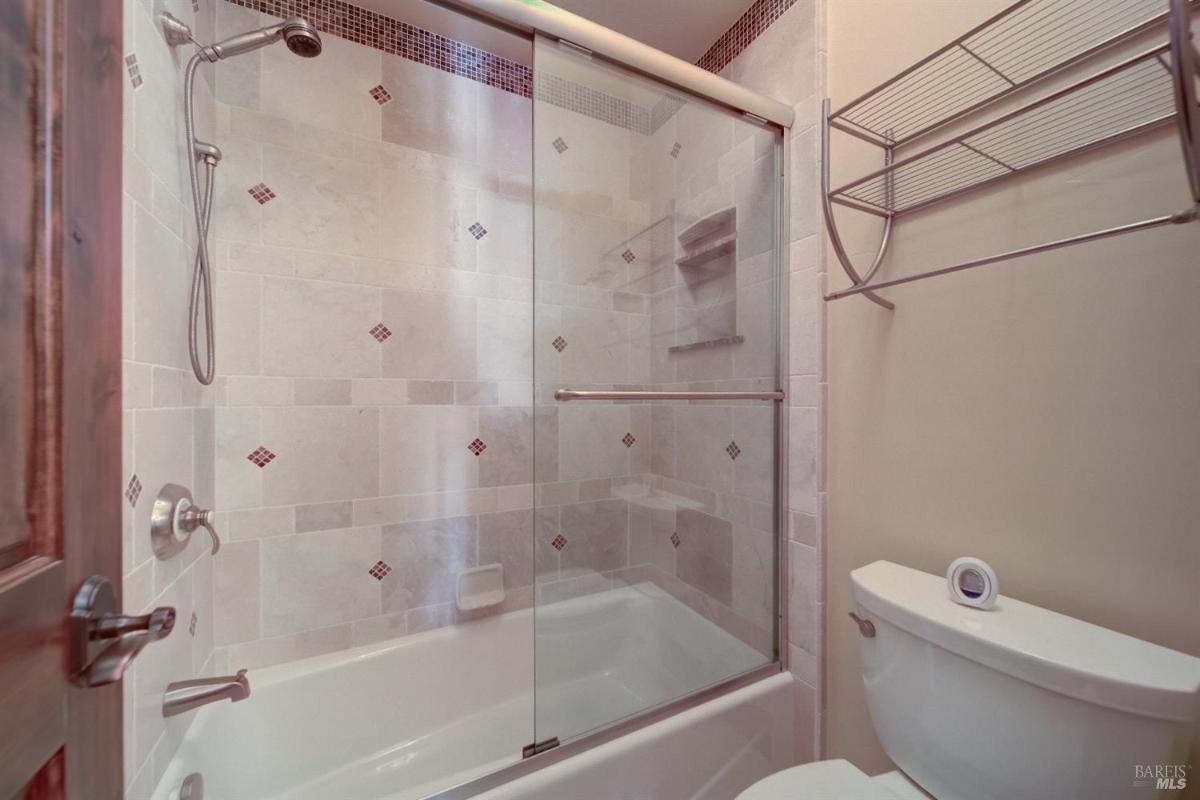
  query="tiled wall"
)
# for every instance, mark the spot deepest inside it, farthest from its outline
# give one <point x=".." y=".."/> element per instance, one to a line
<point x="168" y="418"/>
<point x="372" y="429"/>
<point x="374" y="413"/>
<point x="375" y="422"/>
<point x="786" y="61"/>
<point x="611" y="301"/>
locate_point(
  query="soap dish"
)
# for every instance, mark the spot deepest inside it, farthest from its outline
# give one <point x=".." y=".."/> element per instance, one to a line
<point x="480" y="587"/>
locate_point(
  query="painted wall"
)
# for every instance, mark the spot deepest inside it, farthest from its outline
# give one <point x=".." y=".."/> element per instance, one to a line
<point x="168" y="419"/>
<point x="785" y="62"/>
<point x="1039" y="414"/>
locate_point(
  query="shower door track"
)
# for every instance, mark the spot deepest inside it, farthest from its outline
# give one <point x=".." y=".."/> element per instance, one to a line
<point x="604" y="735"/>
<point x="565" y="395"/>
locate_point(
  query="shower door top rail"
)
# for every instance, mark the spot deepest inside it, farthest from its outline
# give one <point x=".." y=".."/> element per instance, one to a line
<point x="535" y="16"/>
<point x="564" y="395"/>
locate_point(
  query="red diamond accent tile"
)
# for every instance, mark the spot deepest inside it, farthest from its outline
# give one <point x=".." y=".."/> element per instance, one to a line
<point x="675" y="540"/>
<point x="733" y="450"/>
<point x="135" y="72"/>
<point x="560" y="145"/>
<point x="261" y="457"/>
<point x="477" y="446"/>
<point x="628" y="256"/>
<point x="134" y="490"/>
<point x="380" y="570"/>
<point x="192" y="624"/>
<point x="477" y="230"/>
<point x="628" y="439"/>
<point x="380" y="94"/>
<point x="262" y="193"/>
<point x="559" y="542"/>
<point x="559" y="343"/>
<point x="380" y="332"/>
<point x="675" y="150"/>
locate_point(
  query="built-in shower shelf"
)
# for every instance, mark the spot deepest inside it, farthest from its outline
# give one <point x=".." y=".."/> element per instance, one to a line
<point x="711" y="251"/>
<point x="723" y="341"/>
<point x="1030" y="41"/>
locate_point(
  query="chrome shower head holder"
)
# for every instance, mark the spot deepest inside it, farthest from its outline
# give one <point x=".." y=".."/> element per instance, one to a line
<point x="175" y="31"/>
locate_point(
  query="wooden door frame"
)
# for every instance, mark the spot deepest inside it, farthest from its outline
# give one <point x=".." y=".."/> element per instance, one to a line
<point x="91" y="128"/>
<point x="74" y="346"/>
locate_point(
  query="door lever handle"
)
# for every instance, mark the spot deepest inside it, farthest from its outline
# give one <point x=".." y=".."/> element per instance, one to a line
<point x="103" y="642"/>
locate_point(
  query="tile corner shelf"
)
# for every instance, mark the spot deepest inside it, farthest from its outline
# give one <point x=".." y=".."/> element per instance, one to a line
<point x="724" y="341"/>
<point x="709" y="252"/>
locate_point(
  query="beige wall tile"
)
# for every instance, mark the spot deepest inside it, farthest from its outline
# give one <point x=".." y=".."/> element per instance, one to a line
<point x="315" y="580"/>
<point x="318" y="329"/>
<point x="434" y="336"/>
<point x="424" y="449"/>
<point x="322" y="453"/>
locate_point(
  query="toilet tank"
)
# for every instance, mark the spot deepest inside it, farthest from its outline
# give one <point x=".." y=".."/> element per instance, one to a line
<point x="1017" y="702"/>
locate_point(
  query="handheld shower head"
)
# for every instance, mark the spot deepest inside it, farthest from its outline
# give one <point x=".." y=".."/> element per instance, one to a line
<point x="298" y="34"/>
<point x="301" y="37"/>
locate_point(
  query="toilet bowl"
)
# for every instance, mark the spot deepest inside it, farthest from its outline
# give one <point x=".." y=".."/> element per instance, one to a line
<point x="1011" y="702"/>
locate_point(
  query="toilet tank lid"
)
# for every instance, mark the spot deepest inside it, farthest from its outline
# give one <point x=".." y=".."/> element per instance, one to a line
<point x="1030" y="643"/>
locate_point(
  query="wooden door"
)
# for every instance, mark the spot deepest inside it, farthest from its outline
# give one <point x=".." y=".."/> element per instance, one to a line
<point x="60" y="379"/>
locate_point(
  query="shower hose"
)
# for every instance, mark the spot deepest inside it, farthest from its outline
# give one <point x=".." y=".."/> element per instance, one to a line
<point x="200" y="294"/>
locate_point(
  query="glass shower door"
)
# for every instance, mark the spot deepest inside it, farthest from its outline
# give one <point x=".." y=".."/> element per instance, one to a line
<point x="656" y="229"/>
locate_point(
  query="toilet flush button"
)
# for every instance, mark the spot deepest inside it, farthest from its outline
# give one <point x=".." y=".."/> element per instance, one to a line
<point x="973" y="583"/>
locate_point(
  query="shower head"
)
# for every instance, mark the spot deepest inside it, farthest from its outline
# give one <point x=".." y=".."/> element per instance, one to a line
<point x="298" y="34"/>
<point x="301" y="37"/>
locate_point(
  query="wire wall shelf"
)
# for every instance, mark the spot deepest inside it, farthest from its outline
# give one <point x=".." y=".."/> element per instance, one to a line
<point x="1026" y="43"/>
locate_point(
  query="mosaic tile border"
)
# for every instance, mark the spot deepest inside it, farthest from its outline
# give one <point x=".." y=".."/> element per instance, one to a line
<point x="369" y="28"/>
<point x="749" y="27"/>
<point x="397" y="37"/>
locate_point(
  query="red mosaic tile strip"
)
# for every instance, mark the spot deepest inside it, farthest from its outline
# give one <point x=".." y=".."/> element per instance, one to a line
<point x="358" y="25"/>
<point x="749" y="27"/>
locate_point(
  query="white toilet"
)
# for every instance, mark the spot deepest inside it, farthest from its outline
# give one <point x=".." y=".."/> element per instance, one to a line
<point x="1013" y="703"/>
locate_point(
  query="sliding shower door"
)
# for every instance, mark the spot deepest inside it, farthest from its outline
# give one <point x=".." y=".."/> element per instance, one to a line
<point x="656" y="266"/>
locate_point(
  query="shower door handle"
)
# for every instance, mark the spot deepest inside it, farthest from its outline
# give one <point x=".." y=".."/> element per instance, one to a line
<point x="564" y="395"/>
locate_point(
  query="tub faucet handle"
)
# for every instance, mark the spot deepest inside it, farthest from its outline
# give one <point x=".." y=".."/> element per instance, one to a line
<point x="175" y="517"/>
<point x="194" y="517"/>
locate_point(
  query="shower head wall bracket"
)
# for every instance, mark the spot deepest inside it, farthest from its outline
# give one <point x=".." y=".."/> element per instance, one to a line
<point x="174" y="30"/>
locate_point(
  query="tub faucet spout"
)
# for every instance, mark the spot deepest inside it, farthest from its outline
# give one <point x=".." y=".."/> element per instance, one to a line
<point x="184" y="696"/>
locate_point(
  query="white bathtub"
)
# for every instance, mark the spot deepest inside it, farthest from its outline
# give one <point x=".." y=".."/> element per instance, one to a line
<point x="404" y="719"/>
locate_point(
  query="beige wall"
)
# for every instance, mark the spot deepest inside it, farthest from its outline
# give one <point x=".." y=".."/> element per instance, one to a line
<point x="1040" y="414"/>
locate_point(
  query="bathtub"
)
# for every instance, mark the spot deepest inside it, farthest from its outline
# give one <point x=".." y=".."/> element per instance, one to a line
<point x="408" y="718"/>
